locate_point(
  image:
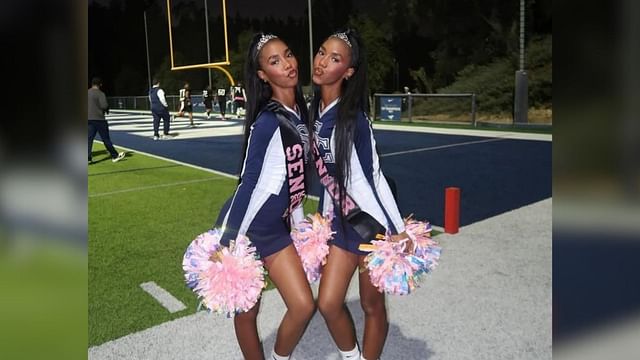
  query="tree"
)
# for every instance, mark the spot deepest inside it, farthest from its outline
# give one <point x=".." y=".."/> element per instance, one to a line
<point x="379" y="56"/>
<point x="237" y="57"/>
<point x="423" y="84"/>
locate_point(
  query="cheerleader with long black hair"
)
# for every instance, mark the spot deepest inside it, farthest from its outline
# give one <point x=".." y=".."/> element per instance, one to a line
<point x="345" y="144"/>
<point x="268" y="199"/>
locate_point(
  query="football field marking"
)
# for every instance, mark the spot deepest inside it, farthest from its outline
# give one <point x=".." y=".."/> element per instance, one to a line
<point x="438" y="147"/>
<point x="140" y="188"/>
<point x="161" y="295"/>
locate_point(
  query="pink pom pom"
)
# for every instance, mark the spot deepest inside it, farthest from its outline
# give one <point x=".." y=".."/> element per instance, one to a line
<point x="229" y="280"/>
<point x="424" y="246"/>
<point x="391" y="270"/>
<point x="310" y="238"/>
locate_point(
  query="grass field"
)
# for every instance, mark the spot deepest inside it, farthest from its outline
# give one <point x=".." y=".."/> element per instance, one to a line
<point x="143" y="212"/>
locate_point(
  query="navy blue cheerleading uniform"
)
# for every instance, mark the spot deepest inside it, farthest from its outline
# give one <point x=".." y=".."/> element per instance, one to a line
<point x="261" y="199"/>
<point x="366" y="185"/>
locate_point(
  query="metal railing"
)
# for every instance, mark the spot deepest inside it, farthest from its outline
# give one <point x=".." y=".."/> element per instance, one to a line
<point x="142" y="103"/>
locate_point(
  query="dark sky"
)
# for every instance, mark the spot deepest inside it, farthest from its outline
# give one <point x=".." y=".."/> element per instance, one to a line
<point x="414" y="32"/>
<point x="265" y="8"/>
<point x="275" y="8"/>
<point x="247" y="8"/>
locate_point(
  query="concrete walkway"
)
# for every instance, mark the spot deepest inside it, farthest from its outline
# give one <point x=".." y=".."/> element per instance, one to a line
<point x="490" y="298"/>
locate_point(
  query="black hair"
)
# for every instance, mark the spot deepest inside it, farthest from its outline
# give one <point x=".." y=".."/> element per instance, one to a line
<point x="96" y="81"/>
<point x="354" y="99"/>
<point x="259" y="92"/>
<point x="156" y="81"/>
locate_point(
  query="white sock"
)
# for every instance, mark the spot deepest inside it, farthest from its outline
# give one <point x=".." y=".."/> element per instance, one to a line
<point x="275" y="356"/>
<point x="351" y="354"/>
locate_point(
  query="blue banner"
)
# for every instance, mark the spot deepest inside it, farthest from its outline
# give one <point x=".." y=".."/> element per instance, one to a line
<point x="390" y="108"/>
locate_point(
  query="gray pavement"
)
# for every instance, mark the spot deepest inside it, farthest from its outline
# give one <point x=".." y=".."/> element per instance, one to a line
<point x="490" y="298"/>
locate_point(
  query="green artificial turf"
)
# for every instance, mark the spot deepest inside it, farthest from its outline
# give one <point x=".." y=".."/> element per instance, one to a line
<point x="143" y="213"/>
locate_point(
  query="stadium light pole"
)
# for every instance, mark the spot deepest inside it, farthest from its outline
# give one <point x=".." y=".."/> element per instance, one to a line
<point x="521" y="96"/>
<point x="206" y="22"/>
<point x="146" y="40"/>
<point x="310" y="46"/>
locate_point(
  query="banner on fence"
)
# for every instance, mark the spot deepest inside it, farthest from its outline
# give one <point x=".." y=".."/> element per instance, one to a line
<point x="390" y="108"/>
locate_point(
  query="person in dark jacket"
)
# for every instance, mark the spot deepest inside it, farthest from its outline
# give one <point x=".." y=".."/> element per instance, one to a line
<point x="98" y="107"/>
<point x="159" y="110"/>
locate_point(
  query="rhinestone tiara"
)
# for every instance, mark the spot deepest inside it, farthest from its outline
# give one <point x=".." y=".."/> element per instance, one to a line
<point x="264" y="39"/>
<point x="342" y="36"/>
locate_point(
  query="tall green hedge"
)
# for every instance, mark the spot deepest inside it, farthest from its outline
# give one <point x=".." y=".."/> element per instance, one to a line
<point x="493" y="83"/>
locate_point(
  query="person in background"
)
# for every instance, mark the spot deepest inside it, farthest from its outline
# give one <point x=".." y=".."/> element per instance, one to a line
<point x="98" y="107"/>
<point x="222" y="101"/>
<point x="185" y="104"/>
<point x="159" y="110"/>
<point x="207" y="99"/>
<point x="239" y="98"/>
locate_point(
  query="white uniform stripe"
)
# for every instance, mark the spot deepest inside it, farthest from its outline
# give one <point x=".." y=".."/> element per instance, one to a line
<point x="272" y="176"/>
<point x="270" y="181"/>
<point x="244" y="166"/>
<point x="385" y="196"/>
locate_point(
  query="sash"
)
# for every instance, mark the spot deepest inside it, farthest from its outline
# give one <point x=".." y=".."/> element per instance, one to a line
<point x="294" y="156"/>
<point x="362" y="222"/>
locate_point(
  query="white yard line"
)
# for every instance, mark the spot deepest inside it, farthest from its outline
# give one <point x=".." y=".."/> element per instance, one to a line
<point x="140" y="188"/>
<point x="127" y="117"/>
<point x="466" y="132"/>
<point x="231" y="176"/>
<point x="163" y="297"/>
<point x="176" y="161"/>
<point x="438" y="147"/>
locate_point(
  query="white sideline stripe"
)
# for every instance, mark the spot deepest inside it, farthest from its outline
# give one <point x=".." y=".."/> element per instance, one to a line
<point x="176" y="162"/>
<point x="163" y="297"/>
<point x="231" y="176"/>
<point x="126" y="117"/>
<point x="466" y="132"/>
<point x="439" y="147"/>
<point x="152" y="187"/>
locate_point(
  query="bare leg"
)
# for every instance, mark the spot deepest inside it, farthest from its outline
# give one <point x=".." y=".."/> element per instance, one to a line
<point x="286" y="272"/>
<point x="245" y="325"/>
<point x="375" y="316"/>
<point x="334" y="282"/>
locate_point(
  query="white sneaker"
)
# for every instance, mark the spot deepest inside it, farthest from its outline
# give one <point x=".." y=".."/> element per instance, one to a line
<point x="119" y="157"/>
<point x="156" y="137"/>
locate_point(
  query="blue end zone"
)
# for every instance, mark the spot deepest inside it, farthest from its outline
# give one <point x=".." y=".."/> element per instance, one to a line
<point x="494" y="175"/>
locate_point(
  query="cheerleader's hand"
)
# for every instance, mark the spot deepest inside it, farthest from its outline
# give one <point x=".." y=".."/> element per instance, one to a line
<point x="403" y="236"/>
